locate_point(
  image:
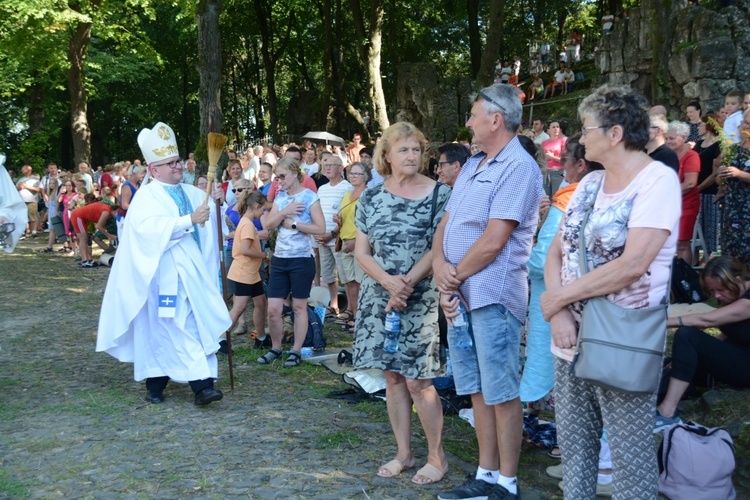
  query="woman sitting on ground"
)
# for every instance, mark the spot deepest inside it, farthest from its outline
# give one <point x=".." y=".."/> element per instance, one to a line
<point x="697" y="354"/>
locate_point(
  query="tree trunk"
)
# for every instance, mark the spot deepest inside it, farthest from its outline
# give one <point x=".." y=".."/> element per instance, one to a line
<point x="339" y="73"/>
<point x="475" y="39"/>
<point x="36" y="107"/>
<point x="380" y="120"/>
<point x="209" y="66"/>
<point x="325" y="98"/>
<point x="494" y="43"/>
<point x="79" y="123"/>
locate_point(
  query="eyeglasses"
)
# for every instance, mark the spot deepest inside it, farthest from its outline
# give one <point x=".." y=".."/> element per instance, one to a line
<point x="238" y="190"/>
<point x="441" y="163"/>
<point x="173" y="165"/>
<point x="489" y="99"/>
<point x="585" y="130"/>
<point x="281" y="177"/>
<point x="356" y="174"/>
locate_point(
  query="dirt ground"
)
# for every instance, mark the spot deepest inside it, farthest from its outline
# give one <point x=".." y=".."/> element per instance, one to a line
<point x="74" y="424"/>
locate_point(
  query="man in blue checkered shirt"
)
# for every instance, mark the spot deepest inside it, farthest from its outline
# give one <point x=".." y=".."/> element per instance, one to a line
<point x="486" y="238"/>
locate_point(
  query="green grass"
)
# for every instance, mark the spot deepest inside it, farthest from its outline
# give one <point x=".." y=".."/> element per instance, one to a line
<point x="10" y="488"/>
<point x="338" y="440"/>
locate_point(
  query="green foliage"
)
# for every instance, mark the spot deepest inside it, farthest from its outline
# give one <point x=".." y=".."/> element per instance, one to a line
<point x="142" y="64"/>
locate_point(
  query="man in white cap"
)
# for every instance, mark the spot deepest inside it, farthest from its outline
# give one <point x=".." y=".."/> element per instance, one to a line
<point x="162" y="309"/>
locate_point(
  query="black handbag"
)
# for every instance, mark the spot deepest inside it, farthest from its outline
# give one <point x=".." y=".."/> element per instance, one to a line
<point x="618" y="348"/>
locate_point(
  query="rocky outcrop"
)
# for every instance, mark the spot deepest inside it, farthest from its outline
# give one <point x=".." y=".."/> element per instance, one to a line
<point x="675" y="53"/>
<point x="436" y="106"/>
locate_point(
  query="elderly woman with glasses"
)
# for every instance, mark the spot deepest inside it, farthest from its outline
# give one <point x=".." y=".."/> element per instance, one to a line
<point x="734" y="177"/>
<point x="633" y="210"/>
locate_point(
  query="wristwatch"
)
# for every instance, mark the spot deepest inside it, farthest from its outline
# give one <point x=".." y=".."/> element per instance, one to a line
<point x="294" y="225"/>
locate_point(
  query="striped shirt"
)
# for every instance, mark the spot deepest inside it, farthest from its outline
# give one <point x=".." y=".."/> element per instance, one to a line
<point x="506" y="187"/>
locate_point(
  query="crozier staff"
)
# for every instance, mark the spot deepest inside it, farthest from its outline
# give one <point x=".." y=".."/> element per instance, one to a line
<point x="162" y="309"/>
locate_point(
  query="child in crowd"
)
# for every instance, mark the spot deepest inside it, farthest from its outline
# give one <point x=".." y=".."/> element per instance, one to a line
<point x="244" y="272"/>
<point x="52" y="188"/>
<point x="66" y="195"/>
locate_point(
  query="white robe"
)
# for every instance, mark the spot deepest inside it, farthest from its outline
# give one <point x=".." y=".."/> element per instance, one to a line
<point x="12" y="208"/>
<point x="157" y="244"/>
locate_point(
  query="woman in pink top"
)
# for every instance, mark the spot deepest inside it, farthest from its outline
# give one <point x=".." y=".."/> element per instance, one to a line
<point x="553" y="149"/>
<point x="690" y="167"/>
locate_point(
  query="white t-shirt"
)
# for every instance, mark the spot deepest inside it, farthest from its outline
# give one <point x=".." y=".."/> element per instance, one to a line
<point x="560" y="76"/>
<point x="311" y="168"/>
<point x="608" y="22"/>
<point x="291" y="243"/>
<point x="652" y="200"/>
<point x="732" y="126"/>
<point x="330" y="202"/>
<point x="27" y="195"/>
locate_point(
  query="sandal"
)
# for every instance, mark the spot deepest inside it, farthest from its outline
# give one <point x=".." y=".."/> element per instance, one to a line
<point x="555" y="453"/>
<point x="429" y="472"/>
<point x="348" y="327"/>
<point x="269" y="357"/>
<point x="331" y="312"/>
<point x="46" y="250"/>
<point x="293" y="360"/>
<point x="344" y="318"/>
<point x="394" y="468"/>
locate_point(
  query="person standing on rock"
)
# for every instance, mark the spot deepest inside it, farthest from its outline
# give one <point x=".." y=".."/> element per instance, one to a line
<point x="162" y="309"/>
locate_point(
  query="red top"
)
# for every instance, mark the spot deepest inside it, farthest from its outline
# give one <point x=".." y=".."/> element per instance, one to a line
<point x="690" y="162"/>
<point x="107" y="181"/>
<point x="92" y="212"/>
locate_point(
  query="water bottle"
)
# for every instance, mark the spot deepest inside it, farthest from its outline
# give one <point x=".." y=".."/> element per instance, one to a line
<point x="461" y="327"/>
<point x="392" y="329"/>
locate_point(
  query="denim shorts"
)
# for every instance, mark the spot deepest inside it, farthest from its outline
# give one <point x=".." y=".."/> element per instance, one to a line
<point x="491" y="366"/>
<point x="293" y="275"/>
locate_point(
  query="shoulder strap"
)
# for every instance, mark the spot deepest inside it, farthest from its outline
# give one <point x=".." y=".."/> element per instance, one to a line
<point x="433" y="211"/>
<point x="582" y="260"/>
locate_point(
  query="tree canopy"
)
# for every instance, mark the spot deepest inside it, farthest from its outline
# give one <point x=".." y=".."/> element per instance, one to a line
<point x="82" y="77"/>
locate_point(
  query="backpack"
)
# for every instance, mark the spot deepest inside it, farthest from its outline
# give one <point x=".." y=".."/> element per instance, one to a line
<point x="696" y="462"/>
<point x="686" y="283"/>
<point x="314" y="336"/>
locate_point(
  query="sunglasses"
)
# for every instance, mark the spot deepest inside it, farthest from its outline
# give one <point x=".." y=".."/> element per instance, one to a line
<point x="238" y="190"/>
<point x="281" y="177"/>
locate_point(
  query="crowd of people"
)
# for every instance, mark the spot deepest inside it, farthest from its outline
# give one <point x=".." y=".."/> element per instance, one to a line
<point x="417" y="236"/>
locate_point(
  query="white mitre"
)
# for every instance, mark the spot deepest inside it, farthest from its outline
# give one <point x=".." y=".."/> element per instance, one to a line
<point x="158" y="143"/>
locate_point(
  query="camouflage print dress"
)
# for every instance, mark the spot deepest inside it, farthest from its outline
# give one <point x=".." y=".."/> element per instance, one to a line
<point x="400" y="233"/>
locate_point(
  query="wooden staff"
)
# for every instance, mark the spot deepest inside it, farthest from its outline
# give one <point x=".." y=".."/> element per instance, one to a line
<point x="215" y="145"/>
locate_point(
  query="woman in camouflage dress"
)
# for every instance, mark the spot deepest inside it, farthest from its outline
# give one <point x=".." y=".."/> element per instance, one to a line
<point x="395" y="222"/>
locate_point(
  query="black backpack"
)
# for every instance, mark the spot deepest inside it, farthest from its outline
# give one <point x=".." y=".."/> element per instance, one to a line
<point x="686" y="284"/>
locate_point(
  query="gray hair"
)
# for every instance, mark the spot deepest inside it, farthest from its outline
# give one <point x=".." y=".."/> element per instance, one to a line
<point x="680" y="128"/>
<point x="135" y="169"/>
<point x="659" y="121"/>
<point x="503" y="99"/>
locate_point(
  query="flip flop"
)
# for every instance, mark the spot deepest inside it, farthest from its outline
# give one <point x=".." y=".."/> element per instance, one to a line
<point x="394" y="467"/>
<point x="429" y="471"/>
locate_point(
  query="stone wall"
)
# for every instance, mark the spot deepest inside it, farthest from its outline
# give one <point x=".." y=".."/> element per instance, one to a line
<point x="699" y="54"/>
<point x="438" y="107"/>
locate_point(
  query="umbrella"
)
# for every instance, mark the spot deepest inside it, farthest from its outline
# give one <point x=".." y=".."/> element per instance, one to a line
<point x="325" y="136"/>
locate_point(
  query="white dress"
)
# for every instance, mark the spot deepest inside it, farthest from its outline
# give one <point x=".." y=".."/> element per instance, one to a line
<point x="158" y="255"/>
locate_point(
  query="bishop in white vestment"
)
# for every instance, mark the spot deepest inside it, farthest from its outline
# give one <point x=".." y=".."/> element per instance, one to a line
<point x="162" y="308"/>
